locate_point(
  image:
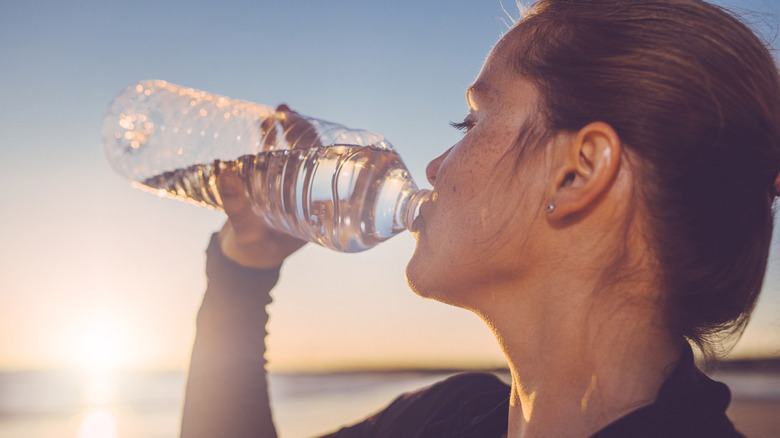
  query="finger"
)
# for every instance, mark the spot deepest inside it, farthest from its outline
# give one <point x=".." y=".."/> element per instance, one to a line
<point x="298" y="130"/>
<point x="245" y="237"/>
<point x="273" y="123"/>
<point x="243" y="223"/>
<point x="232" y="190"/>
<point x="268" y="131"/>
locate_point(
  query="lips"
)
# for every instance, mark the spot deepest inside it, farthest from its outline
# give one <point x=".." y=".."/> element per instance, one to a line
<point x="417" y="225"/>
<point x="419" y="221"/>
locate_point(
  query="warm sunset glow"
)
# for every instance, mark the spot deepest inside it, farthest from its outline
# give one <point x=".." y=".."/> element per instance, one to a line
<point x="100" y="389"/>
<point x="101" y="346"/>
<point x="98" y="424"/>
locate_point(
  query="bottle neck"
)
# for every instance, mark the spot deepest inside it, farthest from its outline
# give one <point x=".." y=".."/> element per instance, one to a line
<point x="416" y="200"/>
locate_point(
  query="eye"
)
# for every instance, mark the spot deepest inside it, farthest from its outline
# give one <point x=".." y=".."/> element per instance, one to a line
<point x="464" y="126"/>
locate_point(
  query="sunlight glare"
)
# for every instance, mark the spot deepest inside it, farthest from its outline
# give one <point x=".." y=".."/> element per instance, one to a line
<point x="98" y="424"/>
<point x="100" y="389"/>
<point x="100" y="346"/>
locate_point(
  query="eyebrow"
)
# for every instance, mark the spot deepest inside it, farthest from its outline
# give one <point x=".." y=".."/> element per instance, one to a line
<point x="477" y="88"/>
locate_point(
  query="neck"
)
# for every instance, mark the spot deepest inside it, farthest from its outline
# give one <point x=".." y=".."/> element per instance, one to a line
<point x="582" y="363"/>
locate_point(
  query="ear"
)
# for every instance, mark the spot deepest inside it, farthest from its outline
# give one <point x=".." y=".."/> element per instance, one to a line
<point x="588" y="165"/>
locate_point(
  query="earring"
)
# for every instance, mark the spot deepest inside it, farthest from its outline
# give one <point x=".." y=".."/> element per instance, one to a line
<point x="550" y="208"/>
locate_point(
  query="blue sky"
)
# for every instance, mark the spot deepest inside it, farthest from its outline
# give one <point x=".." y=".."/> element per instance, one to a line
<point x="86" y="254"/>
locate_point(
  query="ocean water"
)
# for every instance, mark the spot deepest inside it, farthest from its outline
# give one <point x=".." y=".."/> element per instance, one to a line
<point x="148" y="405"/>
<point x="70" y="405"/>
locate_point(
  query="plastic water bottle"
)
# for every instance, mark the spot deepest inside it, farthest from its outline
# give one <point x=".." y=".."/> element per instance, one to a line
<point x="342" y="188"/>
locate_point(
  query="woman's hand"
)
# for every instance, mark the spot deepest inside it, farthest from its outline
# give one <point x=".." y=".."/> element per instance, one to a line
<point x="288" y="126"/>
<point x="245" y="238"/>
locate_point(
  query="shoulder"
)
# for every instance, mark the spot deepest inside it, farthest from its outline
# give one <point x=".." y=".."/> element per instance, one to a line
<point x="689" y="404"/>
<point x="447" y="408"/>
<point x="453" y="402"/>
<point x="462" y="385"/>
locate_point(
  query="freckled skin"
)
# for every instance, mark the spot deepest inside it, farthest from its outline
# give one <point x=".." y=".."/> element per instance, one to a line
<point x="474" y="232"/>
<point x="486" y="243"/>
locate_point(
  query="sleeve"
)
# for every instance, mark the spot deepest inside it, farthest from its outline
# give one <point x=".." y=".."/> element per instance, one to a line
<point x="227" y="388"/>
<point x="463" y="405"/>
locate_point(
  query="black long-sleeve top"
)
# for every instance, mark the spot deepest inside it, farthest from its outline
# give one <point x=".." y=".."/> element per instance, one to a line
<point x="227" y="390"/>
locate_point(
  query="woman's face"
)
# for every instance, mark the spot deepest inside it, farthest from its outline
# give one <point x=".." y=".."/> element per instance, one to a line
<point x="477" y="229"/>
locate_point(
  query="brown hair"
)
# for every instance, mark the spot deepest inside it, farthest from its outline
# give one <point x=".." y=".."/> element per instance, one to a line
<point x="695" y="95"/>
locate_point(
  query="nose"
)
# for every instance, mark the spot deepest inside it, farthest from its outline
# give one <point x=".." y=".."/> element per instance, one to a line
<point x="433" y="167"/>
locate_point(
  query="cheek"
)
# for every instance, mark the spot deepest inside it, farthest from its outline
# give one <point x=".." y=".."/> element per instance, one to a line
<point x="485" y="207"/>
<point x="466" y="173"/>
<point x="510" y="203"/>
<point x="478" y="191"/>
<point x="478" y="215"/>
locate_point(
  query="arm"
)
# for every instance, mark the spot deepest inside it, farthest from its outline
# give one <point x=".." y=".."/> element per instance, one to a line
<point x="227" y="392"/>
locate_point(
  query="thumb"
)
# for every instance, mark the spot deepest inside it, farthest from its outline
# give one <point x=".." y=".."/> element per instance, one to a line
<point x="232" y="190"/>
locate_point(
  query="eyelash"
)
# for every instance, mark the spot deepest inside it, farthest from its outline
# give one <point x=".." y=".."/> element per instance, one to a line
<point x="464" y="126"/>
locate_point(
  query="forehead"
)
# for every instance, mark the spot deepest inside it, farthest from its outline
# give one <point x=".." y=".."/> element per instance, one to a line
<point x="498" y="77"/>
<point x="503" y="55"/>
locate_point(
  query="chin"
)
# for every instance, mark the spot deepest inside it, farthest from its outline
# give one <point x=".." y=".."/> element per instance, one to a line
<point x="427" y="276"/>
<point x="420" y="280"/>
<point x="429" y="286"/>
<point x="414" y="278"/>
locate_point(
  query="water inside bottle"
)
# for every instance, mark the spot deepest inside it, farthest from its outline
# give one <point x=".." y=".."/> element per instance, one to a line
<point x="344" y="197"/>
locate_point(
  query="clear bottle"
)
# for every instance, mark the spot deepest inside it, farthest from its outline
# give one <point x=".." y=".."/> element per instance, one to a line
<point x="342" y="188"/>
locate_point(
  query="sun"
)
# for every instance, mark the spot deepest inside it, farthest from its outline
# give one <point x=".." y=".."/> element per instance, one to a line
<point x="100" y="347"/>
<point x="101" y="344"/>
<point x="98" y="424"/>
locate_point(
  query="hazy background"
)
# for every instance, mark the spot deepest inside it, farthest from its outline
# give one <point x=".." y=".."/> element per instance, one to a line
<point x="97" y="275"/>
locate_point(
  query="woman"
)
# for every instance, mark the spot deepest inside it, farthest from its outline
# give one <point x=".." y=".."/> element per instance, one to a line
<point x="609" y="204"/>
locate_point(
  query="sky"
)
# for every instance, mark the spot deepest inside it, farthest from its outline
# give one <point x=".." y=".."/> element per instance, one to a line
<point x="96" y="273"/>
